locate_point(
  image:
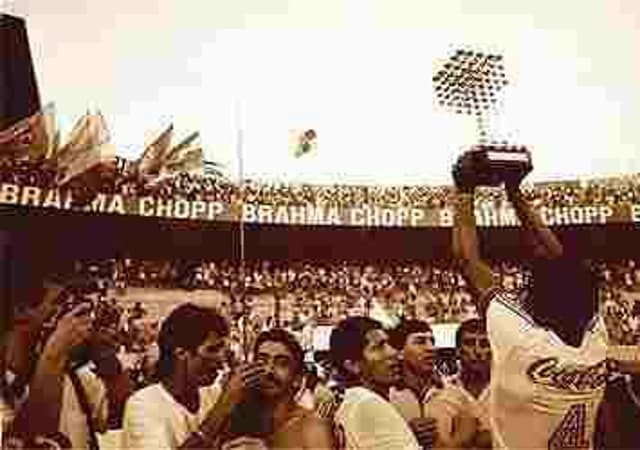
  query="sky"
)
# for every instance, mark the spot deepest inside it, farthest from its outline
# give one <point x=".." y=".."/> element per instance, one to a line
<point x="357" y="71"/>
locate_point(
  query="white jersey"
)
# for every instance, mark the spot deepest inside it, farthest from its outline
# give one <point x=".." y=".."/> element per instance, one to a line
<point x="365" y="420"/>
<point x="544" y="394"/>
<point x="458" y="399"/>
<point x="153" y="419"/>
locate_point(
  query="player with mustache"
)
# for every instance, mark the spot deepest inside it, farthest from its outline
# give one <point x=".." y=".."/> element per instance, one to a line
<point x="270" y="417"/>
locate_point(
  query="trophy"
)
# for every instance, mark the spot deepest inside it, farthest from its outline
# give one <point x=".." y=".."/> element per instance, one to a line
<point x="469" y="83"/>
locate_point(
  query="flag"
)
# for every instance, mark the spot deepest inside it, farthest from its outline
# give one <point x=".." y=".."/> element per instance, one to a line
<point x="190" y="161"/>
<point x="30" y="137"/>
<point x="44" y="133"/>
<point x="99" y="155"/>
<point x="155" y="154"/>
<point x="88" y="150"/>
<point x="302" y="142"/>
<point x="78" y="138"/>
<point x="15" y="140"/>
<point x="89" y="134"/>
<point x="212" y="169"/>
<point x="175" y="153"/>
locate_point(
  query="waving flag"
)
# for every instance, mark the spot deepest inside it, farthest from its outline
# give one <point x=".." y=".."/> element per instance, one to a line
<point x="155" y="154"/>
<point x="80" y="137"/>
<point x="302" y="142"/>
<point x="89" y="150"/>
<point x="176" y="152"/>
<point x="189" y="161"/>
<point x="31" y="137"/>
<point x="213" y="169"/>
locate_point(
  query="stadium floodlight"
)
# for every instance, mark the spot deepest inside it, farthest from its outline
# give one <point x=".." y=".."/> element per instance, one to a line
<point x="469" y="83"/>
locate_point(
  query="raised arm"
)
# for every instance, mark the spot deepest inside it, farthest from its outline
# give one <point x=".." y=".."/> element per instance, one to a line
<point x="544" y="242"/>
<point x="40" y="414"/>
<point x="465" y="244"/>
<point x="466" y="250"/>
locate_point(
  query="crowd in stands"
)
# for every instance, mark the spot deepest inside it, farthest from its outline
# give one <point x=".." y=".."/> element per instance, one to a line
<point x="296" y="294"/>
<point x="607" y="191"/>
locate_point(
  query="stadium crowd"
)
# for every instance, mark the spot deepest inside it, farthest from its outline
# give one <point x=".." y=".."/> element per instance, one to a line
<point x="242" y="372"/>
<point x="301" y="292"/>
<point x="313" y="294"/>
<point x="623" y="190"/>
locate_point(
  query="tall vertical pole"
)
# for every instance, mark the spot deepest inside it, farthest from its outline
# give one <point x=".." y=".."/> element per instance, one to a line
<point x="239" y="145"/>
<point x="241" y="269"/>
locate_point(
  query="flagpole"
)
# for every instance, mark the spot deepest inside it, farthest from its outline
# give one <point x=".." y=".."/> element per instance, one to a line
<point x="239" y="152"/>
<point x="239" y="144"/>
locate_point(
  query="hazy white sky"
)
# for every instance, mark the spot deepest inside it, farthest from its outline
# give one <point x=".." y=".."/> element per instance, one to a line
<point x="357" y="71"/>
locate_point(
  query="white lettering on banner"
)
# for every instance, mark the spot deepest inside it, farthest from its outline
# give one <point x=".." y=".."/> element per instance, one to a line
<point x="13" y="194"/>
<point x="164" y="209"/>
<point x="590" y="213"/>
<point x="98" y="205"/>
<point x="387" y="217"/>
<point x="333" y="216"/>
<point x="104" y="204"/>
<point x="365" y="215"/>
<point x="446" y="217"/>
<point x="68" y="201"/>
<point x="197" y="209"/>
<point x="291" y="215"/>
<point x="181" y="209"/>
<point x="214" y="210"/>
<point x="117" y="205"/>
<point x="281" y="215"/>
<point x="417" y="215"/>
<point x="508" y="217"/>
<point x="52" y="199"/>
<point x="9" y="194"/>
<point x="605" y="212"/>
<point x="545" y="215"/>
<point x="30" y="196"/>
<point x="249" y="213"/>
<point x="145" y="206"/>
<point x="486" y="216"/>
<point x="575" y="215"/>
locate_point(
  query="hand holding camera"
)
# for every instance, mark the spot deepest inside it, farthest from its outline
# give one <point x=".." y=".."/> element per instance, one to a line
<point x="72" y="330"/>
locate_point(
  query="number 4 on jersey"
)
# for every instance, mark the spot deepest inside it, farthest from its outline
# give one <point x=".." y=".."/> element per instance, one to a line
<point x="571" y="431"/>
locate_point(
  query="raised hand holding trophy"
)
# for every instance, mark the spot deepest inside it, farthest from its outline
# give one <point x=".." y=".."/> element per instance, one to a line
<point x="469" y="83"/>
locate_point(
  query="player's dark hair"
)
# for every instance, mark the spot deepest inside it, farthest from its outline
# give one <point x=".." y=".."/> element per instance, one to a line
<point x="404" y="329"/>
<point x="564" y="296"/>
<point x="187" y="327"/>
<point x="288" y="340"/>
<point x="348" y="340"/>
<point x="469" y="326"/>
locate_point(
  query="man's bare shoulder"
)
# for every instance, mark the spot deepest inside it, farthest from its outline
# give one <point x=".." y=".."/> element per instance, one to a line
<point x="304" y="429"/>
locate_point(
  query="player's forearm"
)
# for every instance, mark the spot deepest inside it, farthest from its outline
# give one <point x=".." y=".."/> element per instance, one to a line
<point x="539" y="234"/>
<point x="41" y="412"/>
<point x="466" y="249"/>
<point x="465" y="235"/>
